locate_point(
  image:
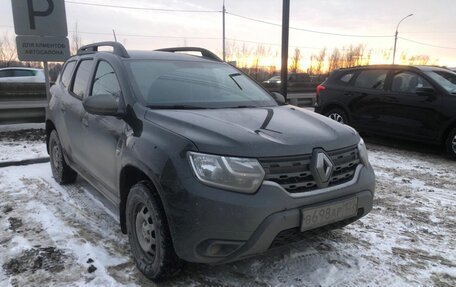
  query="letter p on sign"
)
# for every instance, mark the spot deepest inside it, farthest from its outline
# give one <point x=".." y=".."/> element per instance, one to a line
<point x="40" y="17"/>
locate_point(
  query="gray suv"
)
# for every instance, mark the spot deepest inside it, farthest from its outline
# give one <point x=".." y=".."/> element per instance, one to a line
<point x="202" y="163"/>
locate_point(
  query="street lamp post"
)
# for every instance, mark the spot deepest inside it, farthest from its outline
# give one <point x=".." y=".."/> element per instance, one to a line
<point x="395" y="36"/>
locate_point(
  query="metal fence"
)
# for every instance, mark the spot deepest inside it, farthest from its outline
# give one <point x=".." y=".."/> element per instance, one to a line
<point x="22" y="103"/>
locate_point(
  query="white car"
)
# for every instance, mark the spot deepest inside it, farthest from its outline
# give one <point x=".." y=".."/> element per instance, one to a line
<point x="21" y="75"/>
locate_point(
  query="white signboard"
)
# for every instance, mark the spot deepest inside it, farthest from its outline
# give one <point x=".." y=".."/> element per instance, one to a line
<point x="35" y="48"/>
<point x="40" y="17"/>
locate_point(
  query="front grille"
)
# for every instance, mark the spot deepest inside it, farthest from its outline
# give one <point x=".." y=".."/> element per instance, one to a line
<point x="294" y="173"/>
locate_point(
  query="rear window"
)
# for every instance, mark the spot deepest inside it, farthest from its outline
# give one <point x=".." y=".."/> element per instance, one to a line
<point x="82" y="78"/>
<point x="371" y="79"/>
<point x="66" y="75"/>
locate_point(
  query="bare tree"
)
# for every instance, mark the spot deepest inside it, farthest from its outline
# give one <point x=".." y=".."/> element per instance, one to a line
<point x="76" y="40"/>
<point x="295" y="60"/>
<point x="8" y="53"/>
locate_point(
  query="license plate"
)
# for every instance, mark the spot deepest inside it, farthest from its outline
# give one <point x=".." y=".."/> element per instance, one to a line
<point x="322" y="215"/>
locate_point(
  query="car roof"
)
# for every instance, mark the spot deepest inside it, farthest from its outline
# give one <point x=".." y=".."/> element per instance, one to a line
<point x="416" y="67"/>
<point x="20" y="68"/>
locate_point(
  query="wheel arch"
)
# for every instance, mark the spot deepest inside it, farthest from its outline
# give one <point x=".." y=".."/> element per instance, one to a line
<point x="334" y="105"/>
<point x="49" y="128"/>
<point x="129" y="176"/>
<point x="446" y="131"/>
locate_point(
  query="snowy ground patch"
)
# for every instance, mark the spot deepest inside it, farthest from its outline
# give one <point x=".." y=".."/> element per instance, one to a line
<point x="64" y="236"/>
<point x="22" y="142"/>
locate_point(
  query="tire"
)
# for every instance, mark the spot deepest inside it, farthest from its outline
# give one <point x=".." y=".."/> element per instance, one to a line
<point x="338" y="115"/>
<point x="61" y="171"/>
<point x="450" y="144"/>
<point x="149" y="235"/>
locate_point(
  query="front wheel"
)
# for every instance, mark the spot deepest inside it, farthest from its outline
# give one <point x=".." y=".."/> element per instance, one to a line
<point x="451" y="144"/>
<point x="61" y="171"/>
<point x="338" y="115"/>
<point x="149" y="235"/>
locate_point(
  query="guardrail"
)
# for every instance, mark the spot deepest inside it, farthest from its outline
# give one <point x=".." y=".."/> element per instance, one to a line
<point x="22" y="103"/>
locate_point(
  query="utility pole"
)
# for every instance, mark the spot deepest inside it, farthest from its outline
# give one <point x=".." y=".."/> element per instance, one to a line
<point x="285" y="34"/>
<point x="224" y="12"/>
<point x="395" y="36"/>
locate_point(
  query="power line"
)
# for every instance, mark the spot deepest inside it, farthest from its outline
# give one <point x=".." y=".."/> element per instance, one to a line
<point x="143" y="8"/>
<point x="310" y="31"/>
<point x="426" y="44"/>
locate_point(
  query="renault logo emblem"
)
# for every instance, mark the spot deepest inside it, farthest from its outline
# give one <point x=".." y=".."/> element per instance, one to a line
<point x="322" y="168"/>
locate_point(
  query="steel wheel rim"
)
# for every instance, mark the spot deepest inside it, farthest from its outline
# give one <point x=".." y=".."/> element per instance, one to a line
<point x="336" y="117"/>
<point x="145" y="230"/>
<point x="56" y="157"/>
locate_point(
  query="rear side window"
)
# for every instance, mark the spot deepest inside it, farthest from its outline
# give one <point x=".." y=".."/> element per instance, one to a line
<point x="66" y="75"/>
<point x="23" y="73"/>
<point x="6" y="73"/>
<point x="82" y="78"/>
<point x="105" y="81"/>
<point x="346" y="78"/>
<point x="371" y="79"/>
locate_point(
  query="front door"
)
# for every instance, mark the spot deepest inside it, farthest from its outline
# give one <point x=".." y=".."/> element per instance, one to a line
<point x="104" y="134"/>
<point x="410" y="114"/>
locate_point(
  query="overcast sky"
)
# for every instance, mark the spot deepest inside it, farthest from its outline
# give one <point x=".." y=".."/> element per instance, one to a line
<point x="433" y="23"/>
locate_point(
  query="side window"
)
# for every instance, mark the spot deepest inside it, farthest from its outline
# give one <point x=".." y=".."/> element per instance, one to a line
<point x="6" y="73"/>
<point x="66" y="75"/>
<point x="105" y="81"/>
<point x="371" y="79"/>
<point x="346" y="78"/>
<point x="23" y="73"/>
<point x="82" y="78"/>
<point x="408" y="82"/>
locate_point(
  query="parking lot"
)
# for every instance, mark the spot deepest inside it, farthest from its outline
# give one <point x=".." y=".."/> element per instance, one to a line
<point x="66" y="237"/>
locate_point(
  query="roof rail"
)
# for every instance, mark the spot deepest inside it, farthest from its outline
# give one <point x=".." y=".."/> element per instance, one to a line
<point x="118" y="48"/>
<point x="204" y="52"/>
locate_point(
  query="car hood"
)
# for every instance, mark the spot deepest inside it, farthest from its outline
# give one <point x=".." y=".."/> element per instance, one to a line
<point x="256" y="132"/>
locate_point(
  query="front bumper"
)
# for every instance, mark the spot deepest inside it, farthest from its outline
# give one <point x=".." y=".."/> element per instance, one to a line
<point x="215" y="226"/>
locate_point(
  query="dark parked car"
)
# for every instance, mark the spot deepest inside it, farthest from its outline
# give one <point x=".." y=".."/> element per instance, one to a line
<point x="297" y="82"/>
<point x="410" y="102"/>
<point x="201" y="162"/>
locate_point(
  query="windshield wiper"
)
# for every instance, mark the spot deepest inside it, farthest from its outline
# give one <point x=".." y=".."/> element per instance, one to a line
<point x="177" y="107"/>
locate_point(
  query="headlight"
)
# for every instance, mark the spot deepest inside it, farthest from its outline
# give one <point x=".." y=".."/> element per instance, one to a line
<point x="363" y="152"/>
<point x="232" y="173"/>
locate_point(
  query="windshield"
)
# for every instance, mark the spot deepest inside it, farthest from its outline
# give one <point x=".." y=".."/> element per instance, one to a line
<point x="187" y="85"/>
<point x="446" y="79"/>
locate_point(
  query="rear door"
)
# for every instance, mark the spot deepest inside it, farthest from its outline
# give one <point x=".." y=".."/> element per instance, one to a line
<point x="367" y="93"/>
<point x="410" y="114"/>
<point x="103" y="134"/>
<point x="73" y="113"/>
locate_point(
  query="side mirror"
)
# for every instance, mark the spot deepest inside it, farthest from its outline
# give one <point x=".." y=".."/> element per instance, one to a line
<point x="279" y="98"/>
<point x="103" y="105"/>
<point x="425" y="91"/>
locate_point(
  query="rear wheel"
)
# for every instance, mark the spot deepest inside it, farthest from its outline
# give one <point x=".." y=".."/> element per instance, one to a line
<point x="451" y="144"/>
<point x="149" y="235"/>
<point x="61" y="171"/>
<point x="338" y="115"/>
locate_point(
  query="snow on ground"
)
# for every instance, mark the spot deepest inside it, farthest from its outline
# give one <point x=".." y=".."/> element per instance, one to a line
<point x="53" y="235"/>
<point x="19" y="142"/>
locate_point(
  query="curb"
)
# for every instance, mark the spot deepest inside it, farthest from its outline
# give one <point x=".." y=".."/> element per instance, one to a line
<point x="24" y="162"/>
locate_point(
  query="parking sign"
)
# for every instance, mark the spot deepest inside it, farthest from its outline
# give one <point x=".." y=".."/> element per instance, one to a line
<point x="40" y="18"/>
